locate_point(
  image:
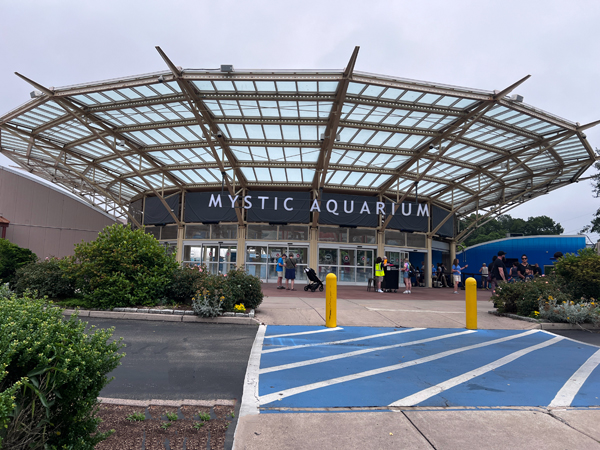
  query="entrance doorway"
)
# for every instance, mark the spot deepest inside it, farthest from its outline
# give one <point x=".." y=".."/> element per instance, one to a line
<point x="261" y="260"/>
<point x="219" y="258"/>
<point x="396" y="257"/>
<point x="350" y="265"/>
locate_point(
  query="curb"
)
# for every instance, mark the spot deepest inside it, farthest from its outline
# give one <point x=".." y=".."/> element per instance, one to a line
<point x="163" y="317"/>
<point x="548" y="325"/>
<point x="175" y="403"/>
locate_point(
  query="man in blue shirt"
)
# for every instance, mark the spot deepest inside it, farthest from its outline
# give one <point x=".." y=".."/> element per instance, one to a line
<point x="279" y="269"/>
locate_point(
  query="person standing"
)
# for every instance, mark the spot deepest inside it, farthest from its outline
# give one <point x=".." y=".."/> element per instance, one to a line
<point x="279" y="269"/>
<point x="379" y="273"/>
<point x="498" y="271"/>
<point x="513" y="274"/>
<point x="457" y="273"/>
<point x="441" y="274"/>
<point x="484" y="276"/>
<point x="522" y="267"/>
<point x="290" y="272"/>
<point x="406" y="276"/>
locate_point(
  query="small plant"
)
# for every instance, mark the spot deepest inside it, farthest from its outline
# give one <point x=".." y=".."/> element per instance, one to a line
<point x="136" y="417"/>
<point x="5" y="291"/>
<point x="232" y="414"/>
<point x="204" y="417"/>
<point x="198" y="425"/>
<point x="569" y="312"/>
<point x="166" y="425"/>
<point x="206" y="305"/>
<point x="240" y="308"/>
<point x="171" y="416"/>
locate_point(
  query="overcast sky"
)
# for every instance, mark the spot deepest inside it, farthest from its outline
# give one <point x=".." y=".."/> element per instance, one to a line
<point x="477" y="44"/>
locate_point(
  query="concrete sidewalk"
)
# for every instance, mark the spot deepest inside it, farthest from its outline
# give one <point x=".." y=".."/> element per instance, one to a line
<point x="413" y="427"/>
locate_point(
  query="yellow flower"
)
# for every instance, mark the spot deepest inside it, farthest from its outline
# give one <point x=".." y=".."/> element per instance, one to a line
<point x="550" y="298"/>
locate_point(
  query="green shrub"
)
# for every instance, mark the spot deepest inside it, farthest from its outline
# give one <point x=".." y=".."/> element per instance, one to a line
<point x="51" y="373"/>
<point x="240" y="287"/>
<point x="522" y="297"/>
<point x="186" y="282"/>
<point x="47" y="278"/>
<point x="11" y="258"/>
<point x="122" y="267"/>
<point x="5" y="291"/>
<point x="581" y="273"/>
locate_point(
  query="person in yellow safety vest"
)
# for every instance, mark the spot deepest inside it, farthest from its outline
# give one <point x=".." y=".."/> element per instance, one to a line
<point x="379" y="273"/>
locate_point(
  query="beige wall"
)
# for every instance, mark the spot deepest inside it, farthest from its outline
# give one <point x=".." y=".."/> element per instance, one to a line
<point x="44" y="219"/>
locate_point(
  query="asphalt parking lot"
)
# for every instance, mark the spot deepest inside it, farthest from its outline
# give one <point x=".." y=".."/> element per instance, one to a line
<point x="173" y="360"/>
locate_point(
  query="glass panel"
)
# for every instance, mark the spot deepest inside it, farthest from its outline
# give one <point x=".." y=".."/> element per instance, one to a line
<point x="395" y="238"/>
<point x="192" y="253"/>
<point x="328" y="256"/>
<point x="326" y="269"/>
<point x="209" y="253"/>
<point x="154" y="231"/>
<point x="347" y="257"/>
<point x="330" y="234"/>
<point x="258" y="270"/>
<point x="293" y="233"/>
<point x="416" y="240"/>
<point x="256" y="254"/>
<point x="364" y="258"/>
<point x="227" y="258"/>
<point x="300" y="255"/>
<point x="393" y="258"/>
<point x="363" y="274"/>
<point x="347" y="274"/>
<point x="262" y="232"/>
<point x="169" y="232"/>
<point x="224" y="231"/>
<point x="273" y="255"/>
<point x="197" y="231"/>
<point x="362" y="236"/>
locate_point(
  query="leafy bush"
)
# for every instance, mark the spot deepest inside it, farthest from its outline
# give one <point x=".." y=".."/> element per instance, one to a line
<point x="240" y="287"/>
<point x="581" y="273"/>
<point x="11" y="258"/>
<point x="571" y="312"/>
<point x="5" y="291"/>
<point x="51" y="373"/>
<point x="122" y="267"/>
<point x="47" y="277"/>
<point x="522" y="297"/>
<point x="186" y="282"/>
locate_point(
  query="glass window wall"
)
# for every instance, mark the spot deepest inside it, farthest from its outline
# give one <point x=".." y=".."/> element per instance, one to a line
<point x="349" y="265"/>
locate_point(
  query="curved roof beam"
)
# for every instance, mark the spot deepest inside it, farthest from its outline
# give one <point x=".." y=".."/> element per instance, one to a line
<point x="331" y="130"/>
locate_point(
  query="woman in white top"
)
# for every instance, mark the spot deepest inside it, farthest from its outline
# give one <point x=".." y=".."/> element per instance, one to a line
<point x="484" y="276"/>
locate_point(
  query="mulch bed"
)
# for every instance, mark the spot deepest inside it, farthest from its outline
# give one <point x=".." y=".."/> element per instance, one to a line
<point x="150" y="434"/>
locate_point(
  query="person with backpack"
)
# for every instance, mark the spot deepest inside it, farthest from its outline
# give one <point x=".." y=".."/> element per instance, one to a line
<point x="406" y="276"/>
<point x="290" y="272"/>
<point x="457" y="274"/>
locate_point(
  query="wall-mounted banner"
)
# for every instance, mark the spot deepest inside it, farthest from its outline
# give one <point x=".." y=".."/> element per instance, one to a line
<point x="277" y="207"/>
<point x="409" y="217"/>
<point x="203" y="207"/>
<point x="155" y="212"/>
<point x="439" y="214"/>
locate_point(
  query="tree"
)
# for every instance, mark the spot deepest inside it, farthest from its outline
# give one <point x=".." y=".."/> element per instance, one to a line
<point x="11" y="258"/>
<point x="502" y="225"/>
<point x="594" y="227"/>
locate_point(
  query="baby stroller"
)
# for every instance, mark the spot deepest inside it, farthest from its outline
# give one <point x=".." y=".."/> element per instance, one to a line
<point x="315" y="281"/>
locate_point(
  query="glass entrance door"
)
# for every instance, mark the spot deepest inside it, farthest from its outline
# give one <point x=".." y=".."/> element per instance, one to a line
<point x="396" y="257"/>
<point x="348" y="264"/>
<point x="261" y="260"/>
<point x="218" y="258"/>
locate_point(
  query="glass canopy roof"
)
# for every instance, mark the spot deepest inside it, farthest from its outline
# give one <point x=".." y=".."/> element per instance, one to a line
<point x="462" y="149"/>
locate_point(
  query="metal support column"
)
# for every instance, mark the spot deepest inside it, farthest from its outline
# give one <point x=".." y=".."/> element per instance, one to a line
<point x="313" y="250"/>
<point x="180" y="235"/>
<point x="428" y="264"/>
<point x="241" y="247"/>
<point x="380" y="243"/>
<point x="452" y="253"/>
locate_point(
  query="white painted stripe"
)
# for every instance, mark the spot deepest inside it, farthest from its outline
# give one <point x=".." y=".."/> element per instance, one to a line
<point x="295" y="347"/>
<point x="416" y="310"/>
<point x="309" y="387"/>
<point x="250" y="403"/>
<point x="415" y="399"/>
<point x="324" y="330"/>
<point x="358" y="352"/>
<point x="570" y="389"/>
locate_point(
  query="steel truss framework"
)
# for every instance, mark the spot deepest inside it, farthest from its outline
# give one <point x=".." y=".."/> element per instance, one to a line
<point x="465" y="150"/>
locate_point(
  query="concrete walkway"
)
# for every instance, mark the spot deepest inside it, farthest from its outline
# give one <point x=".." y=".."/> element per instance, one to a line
<point x="407" y="427"/>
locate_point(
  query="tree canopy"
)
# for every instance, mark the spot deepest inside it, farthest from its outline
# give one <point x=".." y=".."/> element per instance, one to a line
<point x="594" y="227"/>
<point x="499" y="227"/>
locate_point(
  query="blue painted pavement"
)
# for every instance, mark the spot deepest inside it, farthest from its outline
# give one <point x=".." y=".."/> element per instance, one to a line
<point x="363" y="367"/>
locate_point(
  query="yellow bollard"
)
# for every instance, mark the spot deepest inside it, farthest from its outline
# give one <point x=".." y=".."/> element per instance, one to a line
<point x="331" y="301"/>
<point x="471" y="307"/>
